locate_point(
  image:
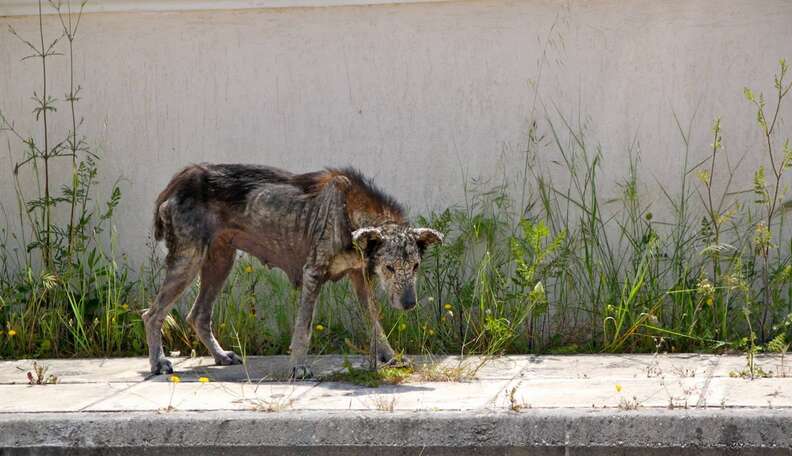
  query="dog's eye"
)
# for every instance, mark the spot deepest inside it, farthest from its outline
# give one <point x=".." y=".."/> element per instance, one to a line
<point x="390" y="268"/>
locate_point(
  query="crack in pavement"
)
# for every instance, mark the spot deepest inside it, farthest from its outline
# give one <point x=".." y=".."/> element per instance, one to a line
<point x="702" y="401"/>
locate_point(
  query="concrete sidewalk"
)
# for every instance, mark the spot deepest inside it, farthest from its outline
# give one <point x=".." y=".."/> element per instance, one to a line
<point x="642" y="404"/>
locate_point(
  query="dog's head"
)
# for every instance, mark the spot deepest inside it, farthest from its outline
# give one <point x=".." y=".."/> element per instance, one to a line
<point x="393" y="253"/>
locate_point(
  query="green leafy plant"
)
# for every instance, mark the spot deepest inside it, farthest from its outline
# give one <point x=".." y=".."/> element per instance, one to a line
<point x="769" y="195"/>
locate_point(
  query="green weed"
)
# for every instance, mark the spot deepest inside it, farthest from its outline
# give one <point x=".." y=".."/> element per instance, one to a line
<point x="369" y="377"/>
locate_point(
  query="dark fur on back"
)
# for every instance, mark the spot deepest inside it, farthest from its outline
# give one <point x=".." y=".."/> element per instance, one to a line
<point x="229" y="183"/>
<point x="232" y="183"/>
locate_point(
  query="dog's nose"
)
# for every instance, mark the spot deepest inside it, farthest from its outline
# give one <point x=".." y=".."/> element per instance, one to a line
<point x="408" y="299"/>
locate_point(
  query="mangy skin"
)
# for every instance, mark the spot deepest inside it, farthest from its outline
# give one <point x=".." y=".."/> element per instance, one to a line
<point x="315" y="227"/>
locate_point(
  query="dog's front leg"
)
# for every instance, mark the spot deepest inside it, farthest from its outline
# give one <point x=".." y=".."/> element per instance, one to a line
<point x="380" y="348"/>
<point x="301" y="337"/>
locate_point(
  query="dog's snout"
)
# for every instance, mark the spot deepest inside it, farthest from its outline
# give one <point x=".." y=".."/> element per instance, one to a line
<point x="408" y="299"/>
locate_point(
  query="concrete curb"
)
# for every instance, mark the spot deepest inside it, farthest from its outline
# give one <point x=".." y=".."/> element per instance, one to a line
<point x="750" y="431"/>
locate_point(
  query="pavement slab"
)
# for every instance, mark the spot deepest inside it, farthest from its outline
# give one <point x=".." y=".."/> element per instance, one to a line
<point x="624" y="394"/>
<point x="619" y="366"/>
<point x="473" y="395"/>
<point x="55" y="398"/>
<point x="91" y="370"/>
<point x="121" y="370"/>
<point x="194" y="396"/>
<point x="740" y="392"/>
<point x="549" y="404"/>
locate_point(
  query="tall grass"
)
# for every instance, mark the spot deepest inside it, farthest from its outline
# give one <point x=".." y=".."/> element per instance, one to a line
<point x="575" y="270"/>
<point x="64" y="290"/>
<point x="562" y="268"/>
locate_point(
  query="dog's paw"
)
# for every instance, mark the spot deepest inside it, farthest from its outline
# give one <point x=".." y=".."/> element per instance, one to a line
<point x="398" y="362"/>
<point x="300" y="372"/>
<point x="162" y="366"/>
<point x="227" y="358"/>
<point x="389" y="358"/>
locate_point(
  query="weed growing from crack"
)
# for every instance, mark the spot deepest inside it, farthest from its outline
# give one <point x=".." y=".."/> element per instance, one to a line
<point x="629" y="404"/>
<point x="461" y="371"/>
<point x="173" y="380"/>
<point x="38" y="375"/>
<point x="269" y="405"/>
<point x="516" y="405"/>
<point x="368" y="377"/>
<point x="384" y="403"/>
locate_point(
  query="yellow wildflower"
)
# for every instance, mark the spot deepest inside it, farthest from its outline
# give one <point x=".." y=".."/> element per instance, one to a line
<point x="402" y="326"/>
<point x="618" y="388"/>
<point x="203" y="379"/>
<point x="11" y="333"/>
<point x="320" y="328"/>
<point x="248" y="269"/>
<point x="175" y="379"/>
<point x="703" y="176"/>
<point x="447" y="306"/>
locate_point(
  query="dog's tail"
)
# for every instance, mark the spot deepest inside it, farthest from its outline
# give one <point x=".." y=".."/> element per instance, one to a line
<point x="179" y="182"/>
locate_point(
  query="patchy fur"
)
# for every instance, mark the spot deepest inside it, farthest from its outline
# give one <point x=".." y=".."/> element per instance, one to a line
<point x="317" y="226"/>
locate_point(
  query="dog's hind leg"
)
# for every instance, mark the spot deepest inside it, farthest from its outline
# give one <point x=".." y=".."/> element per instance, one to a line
<point x="182" y="268"/>
<point x="214" y="272"/>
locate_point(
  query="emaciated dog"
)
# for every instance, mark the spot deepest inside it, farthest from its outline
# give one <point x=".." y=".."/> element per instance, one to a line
<point x="316" y="227"/>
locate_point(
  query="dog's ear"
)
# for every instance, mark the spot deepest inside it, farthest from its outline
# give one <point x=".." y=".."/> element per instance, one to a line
<point x="367" y="238"/>
<point x="425" y="237"/>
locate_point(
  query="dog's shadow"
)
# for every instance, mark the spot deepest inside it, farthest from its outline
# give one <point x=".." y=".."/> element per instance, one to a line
<point x="257" y="373"/>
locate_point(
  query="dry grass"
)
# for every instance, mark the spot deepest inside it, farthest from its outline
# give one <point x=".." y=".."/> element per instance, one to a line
<point x="629" y="404"/>
<point x="461" y="371"/>
<point x="384" y="403"/>
<point x="515" y="404"/>
<point x="270" y="405"/>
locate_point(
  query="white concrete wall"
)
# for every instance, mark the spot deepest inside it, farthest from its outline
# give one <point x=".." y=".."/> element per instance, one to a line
<point x="413" y="94"/>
